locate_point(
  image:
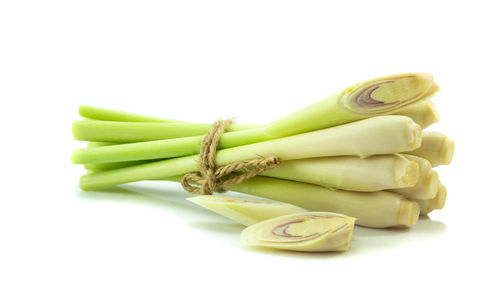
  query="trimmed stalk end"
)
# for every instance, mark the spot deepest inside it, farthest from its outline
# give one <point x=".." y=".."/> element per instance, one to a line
<point x="447" y="152"/>
<point x="433" y="115"/>
<point x="441" y="197"/>
<point x="431" y="183"/>
<point x="406" y="172"/>
<point x="386" y="94"/>
<point x="415" y="136"/>
<point x="408" y="213"/>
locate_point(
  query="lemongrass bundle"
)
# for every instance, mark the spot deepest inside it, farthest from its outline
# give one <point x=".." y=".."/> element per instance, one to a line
<point x="359" y="152"/>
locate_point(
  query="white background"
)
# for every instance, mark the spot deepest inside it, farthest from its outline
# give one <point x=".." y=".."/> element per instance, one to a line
<point x="255" y="61"/>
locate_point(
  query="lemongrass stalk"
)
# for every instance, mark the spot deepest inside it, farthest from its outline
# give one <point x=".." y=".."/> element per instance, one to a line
<point x="428" y="181"/>
<point x="434" y="203"/>
<point x="381" y="96"/>
<point x="372" y="209"/>
<point x="436" y="148"/>
<point x="95" y="144"/>
<point x="246" y="211"/>
<point x="309" y="231"/>
<point x="377" y="135"/>
<point x="423" y="113"/>
<point x="97" y="113"/>
<point x="159" y="149"/>
<point x="374" y="173"/>
<point x="138" y="128"/>
<point x="127" y="132"/>
<point x="112" y="166"/>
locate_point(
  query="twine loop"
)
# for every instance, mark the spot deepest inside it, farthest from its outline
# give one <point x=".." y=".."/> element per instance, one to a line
<point x="211" y="178"/>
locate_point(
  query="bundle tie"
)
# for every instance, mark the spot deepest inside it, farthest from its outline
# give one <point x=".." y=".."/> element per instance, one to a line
<point x="211" y="178"/>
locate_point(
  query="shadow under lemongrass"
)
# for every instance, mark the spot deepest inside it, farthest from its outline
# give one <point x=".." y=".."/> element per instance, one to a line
<point x="171" y="196"/>
<point x="370" y="239"/>
<point x="151" y="193"/>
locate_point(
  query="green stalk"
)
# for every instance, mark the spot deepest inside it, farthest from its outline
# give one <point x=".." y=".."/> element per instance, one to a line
<point x="111" y="166"/>
<point x="381" y="96"/>
<point x="127" y="132"/>
<point x="159" y="149"/>
<point x="377" y="135"/>
<point x="374" y="173"/>
<point x="123" y="127"/>
<point x="96" y="113"/>
<point x="372" y="209"/>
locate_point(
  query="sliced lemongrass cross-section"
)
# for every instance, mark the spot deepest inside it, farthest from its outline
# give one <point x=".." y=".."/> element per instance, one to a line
<point x="380" y="96"/>
<point x="308" y="231"/>
<point x="246" y="211"/>
<point x="436" y="147"/>
<point x="434" y="203"/>
<point x="428" y="181"/>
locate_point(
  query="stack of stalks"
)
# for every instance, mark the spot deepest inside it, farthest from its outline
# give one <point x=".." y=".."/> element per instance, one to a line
<point x="360" y="152"/>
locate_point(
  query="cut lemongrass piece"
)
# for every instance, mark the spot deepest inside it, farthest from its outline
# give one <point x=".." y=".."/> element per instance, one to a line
<point x="423" y="113"/>
<point x="428" y="181"/>
<point x="309" y="231"/>
<point x="381" y="96"/>
<point x="436" y="148"/>
<point x="434" y="203"/>
<point x="246" y="211"/>
<point x="374" y="173"/>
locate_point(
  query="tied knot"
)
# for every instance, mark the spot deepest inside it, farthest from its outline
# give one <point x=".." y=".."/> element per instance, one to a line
<point x="211" y="178"/>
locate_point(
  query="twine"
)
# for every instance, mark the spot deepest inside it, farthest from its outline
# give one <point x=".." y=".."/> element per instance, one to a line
<point x="211" y="178"/>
